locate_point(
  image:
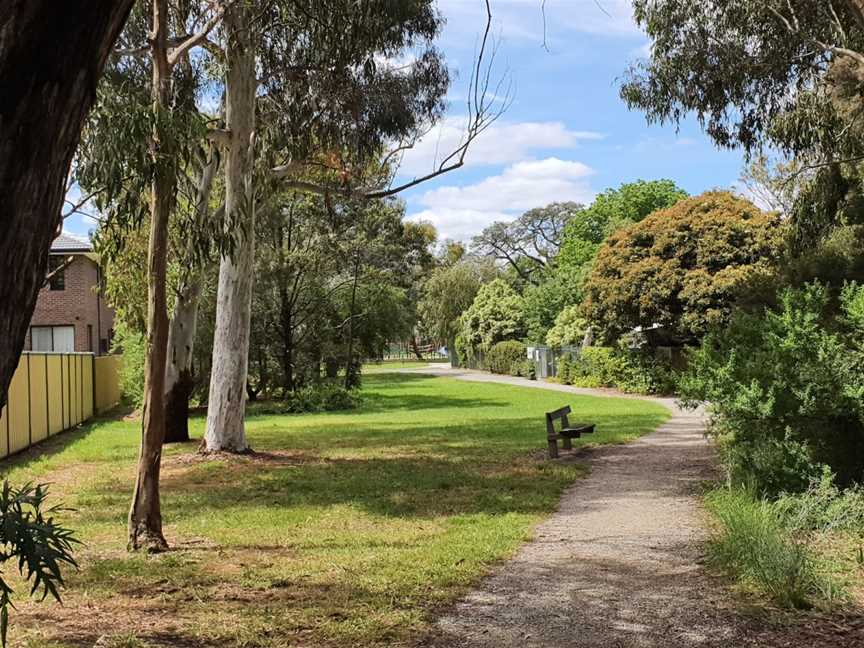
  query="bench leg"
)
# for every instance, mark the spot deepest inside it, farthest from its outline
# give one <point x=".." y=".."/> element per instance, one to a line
<point x="566" y="443"/>
<point x="553" y="449"/>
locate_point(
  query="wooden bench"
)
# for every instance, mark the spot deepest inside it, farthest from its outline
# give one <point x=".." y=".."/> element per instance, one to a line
<point x="567" y="432"/>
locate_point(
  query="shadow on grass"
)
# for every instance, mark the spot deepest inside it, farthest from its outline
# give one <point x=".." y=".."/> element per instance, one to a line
<point x="493" y="469"/>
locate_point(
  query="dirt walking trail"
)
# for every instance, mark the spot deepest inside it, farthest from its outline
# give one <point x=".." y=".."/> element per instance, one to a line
<point x="618" y="565"/>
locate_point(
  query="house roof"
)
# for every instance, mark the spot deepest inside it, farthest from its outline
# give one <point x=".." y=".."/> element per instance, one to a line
<point x="69" y="243"/>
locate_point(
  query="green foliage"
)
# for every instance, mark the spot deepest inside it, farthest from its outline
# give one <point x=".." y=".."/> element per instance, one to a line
<point x="495" y="315"/>
<point x="324" y="397"/>
<point x="529" y="244"/>
<point x="543" y="302"/>
<point x="569" y="329"/>
<point x="611" y="210"/>
<point x="31" y="538"/>
<point x="786" y="389"/>
<point x="753" y="544"/>
<point x="502" y="357"/>
<point x="823" y="507"/>
<point x="682" y="267"/>
<point x="131" y="345"/>
<point x="524" y="369"/>
<point x="448" y="293"/>
<point x="629" y="370"/>
<point x="740" y="68"/>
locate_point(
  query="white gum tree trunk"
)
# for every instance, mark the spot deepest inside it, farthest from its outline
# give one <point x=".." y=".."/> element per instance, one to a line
<point x="227" y="400"/>
<point x="179" y="370"/>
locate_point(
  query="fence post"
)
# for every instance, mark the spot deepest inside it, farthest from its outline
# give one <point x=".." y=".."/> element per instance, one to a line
<point x="93" y="391"/>
<point x="29" y="406"/>
<point x="47" y="401"/>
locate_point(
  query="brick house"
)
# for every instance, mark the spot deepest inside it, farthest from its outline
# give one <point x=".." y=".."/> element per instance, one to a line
<point x="70" y="314"/>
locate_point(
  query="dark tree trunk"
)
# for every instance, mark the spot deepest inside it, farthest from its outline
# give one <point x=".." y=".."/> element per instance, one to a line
<point x="51" y="56"/>
<point x="350" y="364"/>
<point x="177" y="408"/>
<point x="415" y="348"/>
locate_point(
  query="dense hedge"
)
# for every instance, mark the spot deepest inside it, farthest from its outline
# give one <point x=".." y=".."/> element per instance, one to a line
<point x="502" y="357"/>
<point x="625" y="369"/>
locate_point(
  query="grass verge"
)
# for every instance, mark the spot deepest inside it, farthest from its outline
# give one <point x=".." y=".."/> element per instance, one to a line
<point x="763" y="545"/>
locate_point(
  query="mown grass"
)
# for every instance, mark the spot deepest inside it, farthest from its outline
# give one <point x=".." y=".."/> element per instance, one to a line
<point x="344" y="529"/>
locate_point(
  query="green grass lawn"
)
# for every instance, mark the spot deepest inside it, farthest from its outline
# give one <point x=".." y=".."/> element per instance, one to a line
<point x="344" y="529"/>
<point x="389" y="365"/>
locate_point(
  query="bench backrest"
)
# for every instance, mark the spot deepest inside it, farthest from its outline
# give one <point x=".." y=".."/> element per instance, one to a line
<point x="551" y="417"/>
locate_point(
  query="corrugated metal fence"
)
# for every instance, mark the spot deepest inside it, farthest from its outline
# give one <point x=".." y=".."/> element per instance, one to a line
<point x="52" y="392"/>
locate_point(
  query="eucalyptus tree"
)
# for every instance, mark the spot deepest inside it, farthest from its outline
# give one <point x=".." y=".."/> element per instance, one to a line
<point x="171" y="128"/>
<point x="326" y="97"/>
<point x="51" y="57"/>
<point x="530" y="243"/>
<point x="786" y="74"/>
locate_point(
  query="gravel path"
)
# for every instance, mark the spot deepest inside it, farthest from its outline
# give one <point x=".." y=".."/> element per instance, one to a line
<point x="618" y="565"/>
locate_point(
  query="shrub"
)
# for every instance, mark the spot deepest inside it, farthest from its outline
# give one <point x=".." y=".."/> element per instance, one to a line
<point x="823" y="507"/>
<point x="629" y="370"/>
<point x="524" y="368"/>
<point x="131" y="345"/>
<point x="34" y="542"/>
<point x="503" y="355"/>
<point x="752" y="544"/>
<point x="325" y="397"/>
<point x="786" y="389"/>
<point x="681" y="267"/>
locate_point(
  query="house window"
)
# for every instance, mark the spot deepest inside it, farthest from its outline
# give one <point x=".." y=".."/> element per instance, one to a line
<point x="52" y="338"/>
<point x="57" y="272"/>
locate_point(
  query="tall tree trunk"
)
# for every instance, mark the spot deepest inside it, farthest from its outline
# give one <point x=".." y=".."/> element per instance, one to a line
<point x="145" y="516"/>
<point x="51" y="57"/>
<point x="179" y="375"/>
<point x="350" y="376"/>
<point x="226" y="402"/>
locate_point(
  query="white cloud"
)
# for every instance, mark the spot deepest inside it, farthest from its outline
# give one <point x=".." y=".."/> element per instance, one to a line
<point x="501" y="143"/>
<point x="461" y="212"/>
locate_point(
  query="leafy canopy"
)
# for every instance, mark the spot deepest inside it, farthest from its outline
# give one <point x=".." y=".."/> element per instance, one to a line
<point x="494" y="316"/>
<point x="610" y="211"/>
<point x="681" y="267"/>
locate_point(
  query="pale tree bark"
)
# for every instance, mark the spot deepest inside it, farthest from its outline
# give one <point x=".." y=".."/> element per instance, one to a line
<point x="51" y="57"/>
<point x="179" y="370"/>
<point x="145" y="516"/>
<point x="227" y="399"/>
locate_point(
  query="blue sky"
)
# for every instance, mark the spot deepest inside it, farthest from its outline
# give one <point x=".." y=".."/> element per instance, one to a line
<point x="566" y="135"/>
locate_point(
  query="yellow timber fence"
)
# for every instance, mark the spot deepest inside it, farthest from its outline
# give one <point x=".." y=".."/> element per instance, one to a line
<point x="53" y="392"/>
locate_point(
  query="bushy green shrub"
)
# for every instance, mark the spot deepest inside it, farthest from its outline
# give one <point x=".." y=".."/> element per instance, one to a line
<point x="786" y="388"/>
<point x="524" y="369"/>
<point x="753" y="544"/>
<point x="503" y="355"/>
<point x="131" y="345"/>
<point x="823" y="507"/>
<point x="629" y="370"/>
<point x="325" y="397"/>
